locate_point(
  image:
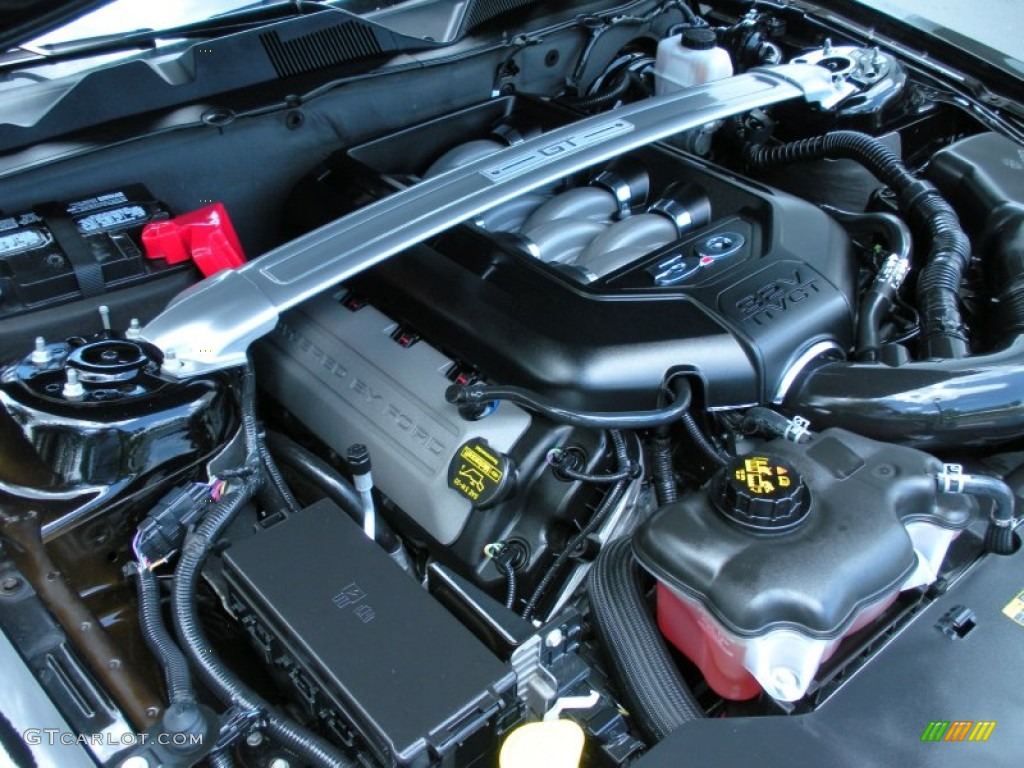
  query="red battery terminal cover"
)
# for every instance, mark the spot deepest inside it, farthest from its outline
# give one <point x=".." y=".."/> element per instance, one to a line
<point x="206" y="236"/>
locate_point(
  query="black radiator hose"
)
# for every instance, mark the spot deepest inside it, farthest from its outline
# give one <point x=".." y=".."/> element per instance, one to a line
<point x="652" y="688"/>
<point x="879" y="297"/>
<point x="938" y="287"/>
<point x="999" y="537"/>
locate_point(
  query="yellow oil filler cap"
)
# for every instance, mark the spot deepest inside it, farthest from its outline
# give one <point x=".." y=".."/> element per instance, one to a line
<point x="551" y="743"/>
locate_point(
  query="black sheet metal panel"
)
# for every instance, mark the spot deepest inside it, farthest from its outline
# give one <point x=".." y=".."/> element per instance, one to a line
<point x="413" y="681"/>
<point x="880" y="716"/>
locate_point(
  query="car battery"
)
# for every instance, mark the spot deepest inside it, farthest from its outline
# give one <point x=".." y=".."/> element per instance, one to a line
<point x="61" y="251"/>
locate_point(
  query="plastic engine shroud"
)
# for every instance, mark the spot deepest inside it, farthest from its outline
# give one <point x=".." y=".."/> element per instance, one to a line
<point x="739" y="321"/>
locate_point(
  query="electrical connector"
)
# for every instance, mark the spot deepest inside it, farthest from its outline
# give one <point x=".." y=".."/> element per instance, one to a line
<point x="162" y="531"/>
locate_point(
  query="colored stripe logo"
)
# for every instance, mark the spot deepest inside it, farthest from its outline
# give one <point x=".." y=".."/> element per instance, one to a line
<point x="958" y="730"/>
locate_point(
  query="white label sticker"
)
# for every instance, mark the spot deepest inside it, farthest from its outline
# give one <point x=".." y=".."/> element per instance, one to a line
<point x="84" y="206"/>
<point x="118" y="217"/>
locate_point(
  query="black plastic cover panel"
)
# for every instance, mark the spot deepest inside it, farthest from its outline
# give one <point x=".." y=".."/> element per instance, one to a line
<point x="738" y="322"/>
<point x="413" y="681"/>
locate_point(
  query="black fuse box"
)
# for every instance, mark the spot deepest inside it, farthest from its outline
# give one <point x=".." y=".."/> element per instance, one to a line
<point x="364" y="647"/>
<point x="61" y="251"/>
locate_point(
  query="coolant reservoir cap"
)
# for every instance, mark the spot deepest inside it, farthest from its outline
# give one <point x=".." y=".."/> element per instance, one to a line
<point x="699" y="39"/>
<point x="761" y="494"/>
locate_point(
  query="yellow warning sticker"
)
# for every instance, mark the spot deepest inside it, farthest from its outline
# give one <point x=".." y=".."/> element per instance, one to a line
<point x="1014" y="609"/>
<point x="762" y="477"/>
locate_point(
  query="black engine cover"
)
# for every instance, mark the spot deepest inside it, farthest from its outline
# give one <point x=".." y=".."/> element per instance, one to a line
<point x="738" y="323"/>
<point x="740" y="319"/>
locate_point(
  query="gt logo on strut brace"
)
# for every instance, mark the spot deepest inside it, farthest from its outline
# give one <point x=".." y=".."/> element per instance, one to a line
<point x="527" y="161"/>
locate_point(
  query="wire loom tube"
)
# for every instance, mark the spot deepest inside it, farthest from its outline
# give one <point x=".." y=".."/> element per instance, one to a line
<point x="939" y="285"/>
<point x="151" y="623"/>
<point x="224" y="684"/>
<point x="655" y="692"/>
<point x="623" y="82"/>
<point x="220" y="679"/>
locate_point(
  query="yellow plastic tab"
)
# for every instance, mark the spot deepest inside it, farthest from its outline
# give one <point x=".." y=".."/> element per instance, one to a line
<point x="552" y="744"/>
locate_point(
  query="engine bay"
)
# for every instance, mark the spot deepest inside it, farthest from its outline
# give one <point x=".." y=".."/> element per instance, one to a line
<point x="653" y="369"/>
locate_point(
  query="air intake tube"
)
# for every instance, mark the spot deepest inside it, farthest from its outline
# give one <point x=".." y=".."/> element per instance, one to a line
<point x="935" y="404"/>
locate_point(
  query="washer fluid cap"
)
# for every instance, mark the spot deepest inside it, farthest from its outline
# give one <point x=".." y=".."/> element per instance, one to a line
<point x="761" y="494"/>
<point x="698" y="39"/>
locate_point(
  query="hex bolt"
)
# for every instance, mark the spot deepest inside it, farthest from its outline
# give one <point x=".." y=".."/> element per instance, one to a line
<point x="554" y="638"/>
<point x="105" y="316"/>
<point x="134" y="329"/>
<point x="10" y="584"/>
<point x="41" y="355"/>
<point x="254" y="739"/>
<point x="279" y="762"/>
<point x="73" y="389"/>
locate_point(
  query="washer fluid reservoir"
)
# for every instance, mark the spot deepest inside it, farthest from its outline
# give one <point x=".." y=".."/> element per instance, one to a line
<point x="688" y="59"/>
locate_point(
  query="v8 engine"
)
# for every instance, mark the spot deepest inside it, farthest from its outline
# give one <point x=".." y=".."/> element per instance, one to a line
<point x="603" y="379"/>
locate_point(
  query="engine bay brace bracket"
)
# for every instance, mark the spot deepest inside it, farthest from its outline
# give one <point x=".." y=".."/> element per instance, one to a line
<point x="211" y="325"/>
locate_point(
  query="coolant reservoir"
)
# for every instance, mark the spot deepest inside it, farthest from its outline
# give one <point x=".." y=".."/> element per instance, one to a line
<point x="688" y="59"/>
<point x="791" y="550"/>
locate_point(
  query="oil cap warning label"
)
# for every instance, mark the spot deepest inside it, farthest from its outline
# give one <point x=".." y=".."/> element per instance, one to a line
<point x="480" y="473"/>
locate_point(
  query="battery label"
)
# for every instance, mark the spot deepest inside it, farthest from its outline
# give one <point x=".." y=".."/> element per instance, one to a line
<point x="92" y="203"/>
<point x="119" y="217"/>
<point x="25" y="240"/>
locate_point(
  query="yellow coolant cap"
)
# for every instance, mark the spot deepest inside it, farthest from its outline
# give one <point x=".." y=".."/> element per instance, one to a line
<point x="552" y="744"/>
